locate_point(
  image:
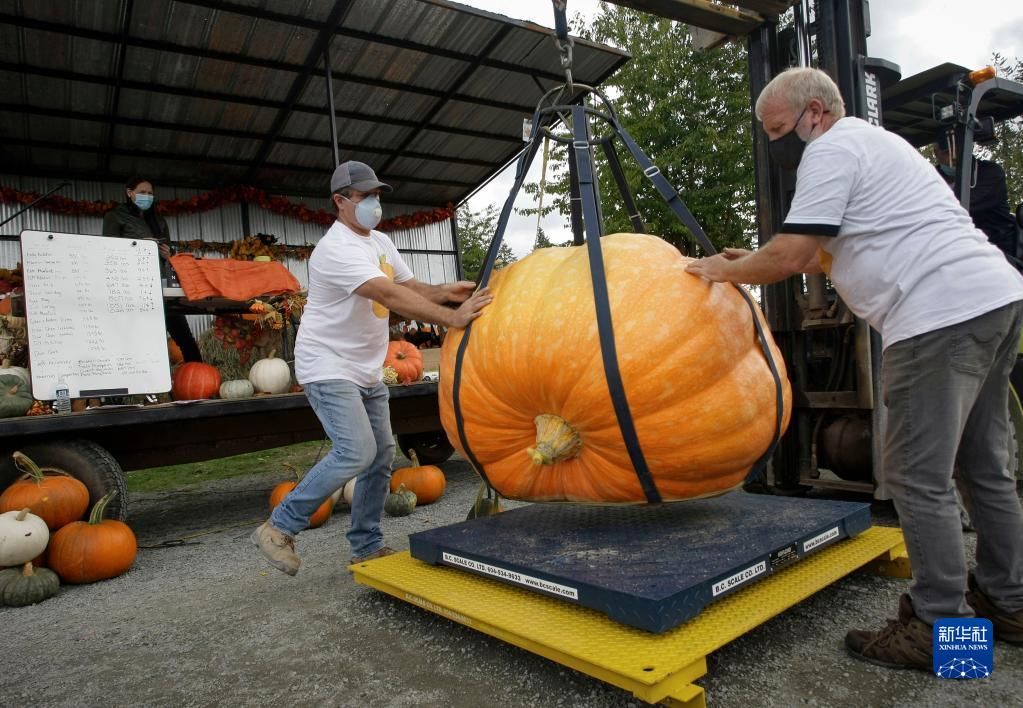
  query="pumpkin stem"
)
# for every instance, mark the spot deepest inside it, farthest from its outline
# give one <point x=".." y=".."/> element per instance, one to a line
<point x="294" y="471"/>
<point x="556" y="440"/>
<point x="414" y="457"/>
<point x="101" y="507"/>
<point x="22" y="514"/>
<point x="271" y="354"/>
<point x="26" y="570"/>
<point x="26" y="465"/>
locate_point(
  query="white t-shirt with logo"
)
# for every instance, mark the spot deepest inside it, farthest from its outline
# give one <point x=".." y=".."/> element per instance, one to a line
<point x="904" y="255"/>
<point x="344" y="335"/>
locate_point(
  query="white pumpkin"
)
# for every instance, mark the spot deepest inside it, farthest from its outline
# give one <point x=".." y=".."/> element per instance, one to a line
<point x="18" y="371"/>
<point x="23" y="536"/>
<point x="349" y="490"/>
<point x="238" y="388"/>
<point x="270" y="375"/>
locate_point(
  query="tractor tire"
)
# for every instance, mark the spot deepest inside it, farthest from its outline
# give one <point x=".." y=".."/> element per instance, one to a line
<point x="431" y="448"/>
<point x="82" y="459"/>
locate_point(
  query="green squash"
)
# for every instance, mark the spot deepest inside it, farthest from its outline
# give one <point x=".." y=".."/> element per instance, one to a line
<point x="238" y="388"/>
<point x="27" y="585"/>
<point x="15" y="396"/>
<point x="400" y="502"/>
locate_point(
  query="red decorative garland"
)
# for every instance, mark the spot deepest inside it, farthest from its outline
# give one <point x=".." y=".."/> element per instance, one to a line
<point x="207" y="201"/>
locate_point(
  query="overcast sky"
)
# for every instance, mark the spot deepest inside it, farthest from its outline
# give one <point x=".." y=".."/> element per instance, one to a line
<point x="914" y="34"/>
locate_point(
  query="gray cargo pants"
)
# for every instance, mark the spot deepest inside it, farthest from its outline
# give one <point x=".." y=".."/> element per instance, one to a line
<point x="947" y="398"/>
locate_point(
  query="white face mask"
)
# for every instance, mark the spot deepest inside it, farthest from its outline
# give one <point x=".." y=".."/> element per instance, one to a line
<point x="368" y="212"/>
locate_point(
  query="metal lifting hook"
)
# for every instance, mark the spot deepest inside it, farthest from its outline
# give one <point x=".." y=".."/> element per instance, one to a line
<point x="563" y="41"/>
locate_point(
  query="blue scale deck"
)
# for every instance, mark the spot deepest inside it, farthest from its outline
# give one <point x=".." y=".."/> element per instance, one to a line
<point x="649" y="567"/>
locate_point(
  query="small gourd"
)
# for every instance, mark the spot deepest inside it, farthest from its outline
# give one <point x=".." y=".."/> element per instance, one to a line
<point x="27" y="585"/>
<point x="401" y="502"/>
<point x="21" y="372"/>
<point x="349" y="490"/>
<point x="23" y="536"/>
<point x="390" y="376"/>
<point x="15" y="396"/>
<point x="238" y="388"/>
<point x="270" y="375"/>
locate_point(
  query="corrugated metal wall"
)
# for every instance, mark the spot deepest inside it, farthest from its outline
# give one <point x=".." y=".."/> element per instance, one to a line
<point x="223" y="225"/>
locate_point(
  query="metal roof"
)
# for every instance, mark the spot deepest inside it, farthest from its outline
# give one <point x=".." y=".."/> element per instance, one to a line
<point x="205" y="93"/>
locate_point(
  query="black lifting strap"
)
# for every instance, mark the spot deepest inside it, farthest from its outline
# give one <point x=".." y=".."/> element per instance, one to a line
<point x="623" y="187"/>
<point x="605" y="328"/>
<point x="525" y="160"/>
<point x="676" y="204"/>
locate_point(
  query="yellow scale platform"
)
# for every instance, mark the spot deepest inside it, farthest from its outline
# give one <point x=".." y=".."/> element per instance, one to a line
<point x="653" y="667"/>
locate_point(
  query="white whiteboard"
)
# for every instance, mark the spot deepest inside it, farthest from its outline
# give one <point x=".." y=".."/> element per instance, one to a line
<point x="94" y="307"/>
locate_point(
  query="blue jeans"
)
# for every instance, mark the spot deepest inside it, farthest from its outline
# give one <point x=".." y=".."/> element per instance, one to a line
<point x="358" y="422"/>
<point x="947" y="393"/>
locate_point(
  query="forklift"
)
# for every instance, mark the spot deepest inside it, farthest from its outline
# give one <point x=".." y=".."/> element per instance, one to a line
<point x="834" y="439"/>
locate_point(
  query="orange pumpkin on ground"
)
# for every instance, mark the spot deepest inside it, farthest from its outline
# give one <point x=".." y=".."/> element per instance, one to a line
<point x="537" y="411"/>
<point x="194" y="380"/>
<point x="57" y="499"/>
<point x="319" y="517"/>
<point x="406" y="360"/>
<point x="426" y="481"/>
<point x="97" y="549"/>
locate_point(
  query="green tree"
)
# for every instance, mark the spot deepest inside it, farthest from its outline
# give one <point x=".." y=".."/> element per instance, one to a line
<point x="690" y="112"/>
<point x="475" y="232"/>
<point x="1008" y="151"/>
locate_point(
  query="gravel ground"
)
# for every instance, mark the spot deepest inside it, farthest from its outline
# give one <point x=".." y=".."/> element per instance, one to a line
<point x="207" y="623"/>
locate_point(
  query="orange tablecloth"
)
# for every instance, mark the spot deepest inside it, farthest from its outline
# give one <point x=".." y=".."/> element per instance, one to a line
<point x="231" y="279"/>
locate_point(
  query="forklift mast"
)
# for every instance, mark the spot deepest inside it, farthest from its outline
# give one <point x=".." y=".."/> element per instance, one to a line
<point x="833" y="357"/>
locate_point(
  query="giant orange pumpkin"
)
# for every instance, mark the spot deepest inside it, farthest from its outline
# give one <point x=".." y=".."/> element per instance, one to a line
<point x="405" y="359"/>
<point x="193" y="380"/>
<point x="535" y="402"/>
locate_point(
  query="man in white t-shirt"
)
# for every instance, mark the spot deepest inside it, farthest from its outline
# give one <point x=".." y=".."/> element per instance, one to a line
<point x="356" y="276"/>
<point x="904" y="255"/>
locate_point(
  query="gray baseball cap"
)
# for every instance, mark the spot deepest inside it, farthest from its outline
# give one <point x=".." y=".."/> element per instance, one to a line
<point x="357" y="175"/>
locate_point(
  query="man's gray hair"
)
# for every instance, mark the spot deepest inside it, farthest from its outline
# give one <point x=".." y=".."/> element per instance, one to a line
<point x="798" y="86"/>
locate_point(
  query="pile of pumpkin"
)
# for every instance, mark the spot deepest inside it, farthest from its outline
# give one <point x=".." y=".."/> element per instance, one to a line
<point x="195" y="380"/>
<point x="416" y="485"/>
<point x="43" y="537"/>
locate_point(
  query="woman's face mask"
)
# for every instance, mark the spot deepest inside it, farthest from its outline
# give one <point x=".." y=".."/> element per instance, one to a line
<point x="143" y="201"/>
<point x="367" y="211"/>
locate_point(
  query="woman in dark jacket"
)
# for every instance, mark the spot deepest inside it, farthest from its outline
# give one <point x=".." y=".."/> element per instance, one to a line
<point x="137" y="218"/>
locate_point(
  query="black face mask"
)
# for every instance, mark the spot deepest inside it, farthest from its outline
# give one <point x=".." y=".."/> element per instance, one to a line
<point x="787" y="150"/>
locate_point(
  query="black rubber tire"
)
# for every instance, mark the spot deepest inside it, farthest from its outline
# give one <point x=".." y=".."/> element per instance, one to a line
<point x="431" y="448"/>
<point x="83" y="459"/>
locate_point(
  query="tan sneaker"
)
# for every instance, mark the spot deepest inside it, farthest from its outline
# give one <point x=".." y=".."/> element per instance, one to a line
<point x="1008" y="625"/>
<point x="278" y="548"/>
<point x="906" y="643"/>
<point x="379" y="553"/>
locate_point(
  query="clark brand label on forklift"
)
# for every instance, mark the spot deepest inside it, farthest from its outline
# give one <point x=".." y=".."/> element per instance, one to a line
<point x="511" y="576"/>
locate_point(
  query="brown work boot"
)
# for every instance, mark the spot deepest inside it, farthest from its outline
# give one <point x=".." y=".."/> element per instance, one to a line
<point x="379" y="553"/>
<point x="1008" y="625"/>
<point x="906" y="643"/>
<point x="278" y="548"/>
